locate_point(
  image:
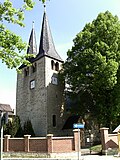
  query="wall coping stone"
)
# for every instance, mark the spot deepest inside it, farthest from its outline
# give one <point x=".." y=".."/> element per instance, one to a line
<point x="38" y="138"/>
<point x="62" y="137"/>
<point x="49" y="135"/>
<point x="104" y="128"/>
<point x="110" y="135"/>
<point x="17" y="138"/>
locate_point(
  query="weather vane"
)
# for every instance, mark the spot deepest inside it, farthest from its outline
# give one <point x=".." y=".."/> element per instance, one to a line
<point x="44" y="3"/>
<point x="32" y="24"/>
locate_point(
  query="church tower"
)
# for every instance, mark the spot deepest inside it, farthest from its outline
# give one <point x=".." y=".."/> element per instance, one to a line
<point x="39" y="92"/>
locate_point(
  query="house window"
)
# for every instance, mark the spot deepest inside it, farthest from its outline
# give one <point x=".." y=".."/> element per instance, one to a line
<point x="54" y="120"/>
<point x="57" y="66"/>
<point x="26" y="71"/>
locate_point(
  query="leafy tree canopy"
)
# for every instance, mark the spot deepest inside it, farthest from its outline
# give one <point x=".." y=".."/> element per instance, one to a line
<point x="11" y="45"/>
<point x="92" y="67"/>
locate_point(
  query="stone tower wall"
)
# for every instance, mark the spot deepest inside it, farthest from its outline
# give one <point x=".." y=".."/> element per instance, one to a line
<point x="42" y="102"/>
<point x="54" y="99"/>
<point x="31" y="103"/>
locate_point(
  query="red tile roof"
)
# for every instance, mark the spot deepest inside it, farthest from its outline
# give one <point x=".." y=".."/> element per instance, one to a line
<point x="5" y="108"/>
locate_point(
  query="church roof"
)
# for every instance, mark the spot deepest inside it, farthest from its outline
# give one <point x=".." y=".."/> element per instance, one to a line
<point x="32" y="48"/>
<point x="47" y="47"/>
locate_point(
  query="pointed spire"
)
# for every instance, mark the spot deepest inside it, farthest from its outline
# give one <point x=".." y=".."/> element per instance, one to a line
<point x="32" y="48"/>
<point x="47" y="47"/>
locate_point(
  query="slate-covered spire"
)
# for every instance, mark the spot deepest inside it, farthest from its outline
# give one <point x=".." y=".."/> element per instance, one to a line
<point x="47" y="47"/>
<point x="32" y="48"/>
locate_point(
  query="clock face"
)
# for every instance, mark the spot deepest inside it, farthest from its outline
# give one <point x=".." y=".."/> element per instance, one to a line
<point x="54" y="80"/>
<point x="32" y="84"/>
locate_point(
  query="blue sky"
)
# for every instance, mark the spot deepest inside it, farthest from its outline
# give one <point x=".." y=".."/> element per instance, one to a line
<point x="66" y="19"/>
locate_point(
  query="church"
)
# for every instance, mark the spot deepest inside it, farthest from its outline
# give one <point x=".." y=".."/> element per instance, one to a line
<point x="40" y="94"/>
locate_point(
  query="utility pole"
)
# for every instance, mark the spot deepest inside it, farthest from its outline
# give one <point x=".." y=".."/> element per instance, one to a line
<point x="79" y="144"/>
<point x="78" y="126"/>
<point x="3" y="120"/>
<point x="1" y="136"/>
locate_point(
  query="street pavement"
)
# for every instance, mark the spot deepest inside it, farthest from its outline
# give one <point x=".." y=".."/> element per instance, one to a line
<point x="86" y="157"/>
<point x="97" y="157"/>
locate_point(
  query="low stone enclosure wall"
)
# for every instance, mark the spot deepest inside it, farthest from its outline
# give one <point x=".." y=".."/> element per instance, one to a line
<point x="108" y="141"/>
<point x="47" y="144"/>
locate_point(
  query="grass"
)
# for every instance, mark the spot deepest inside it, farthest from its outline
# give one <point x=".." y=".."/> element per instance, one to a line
<point x="96" y="148"/>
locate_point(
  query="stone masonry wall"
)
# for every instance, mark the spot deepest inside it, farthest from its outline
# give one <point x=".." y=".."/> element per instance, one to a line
<point x="55" y="99"/>
<point x="43" y="101"/>
<point x="31" y="103"/>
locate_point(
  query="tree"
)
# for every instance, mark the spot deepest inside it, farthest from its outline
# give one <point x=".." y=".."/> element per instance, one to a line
<point x="11" y="45"/>
<point x="93" y="67"/>
<point x="28" y="129"/>
<point x="12" y="127"/>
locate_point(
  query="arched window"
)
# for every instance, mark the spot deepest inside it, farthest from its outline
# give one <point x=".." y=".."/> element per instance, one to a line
<point x="57" y="66"/>
<point x="52" y="65"/>
<point x="54" y="120"/>
<point x="34" y="67"/>
<point x="26" y="71"/>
